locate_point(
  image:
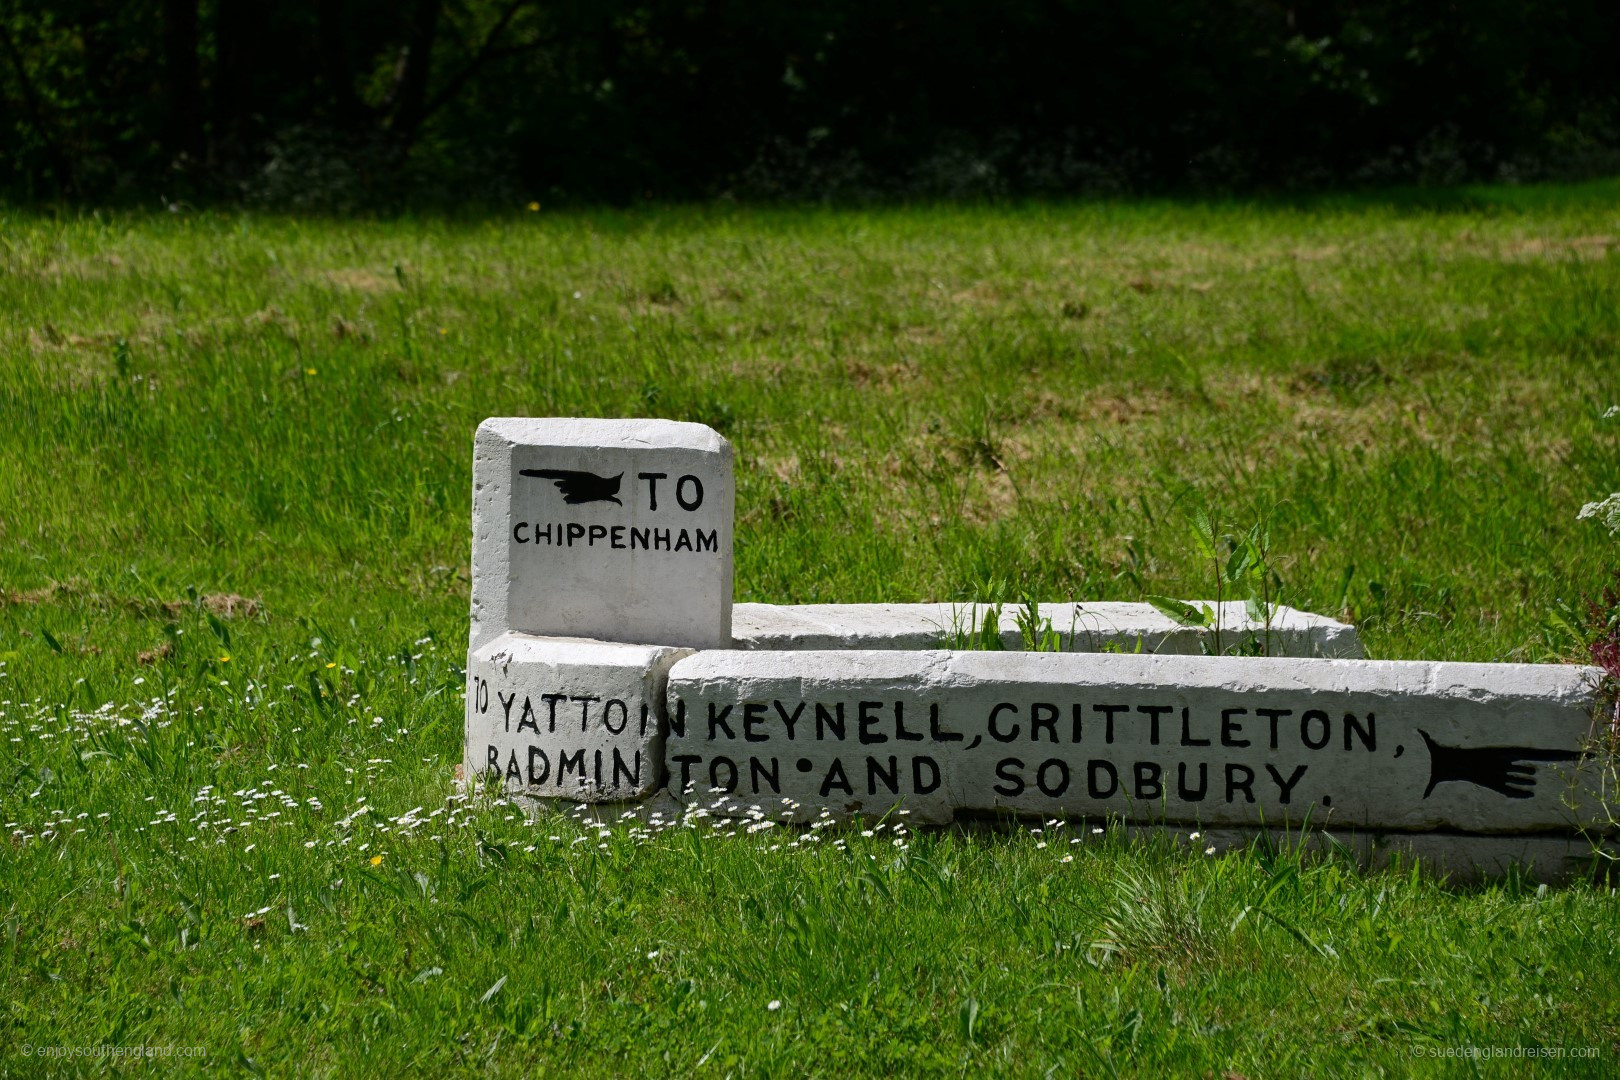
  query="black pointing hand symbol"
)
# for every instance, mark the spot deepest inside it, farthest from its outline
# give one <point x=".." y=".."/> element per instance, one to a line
<point x="580" y="487"/>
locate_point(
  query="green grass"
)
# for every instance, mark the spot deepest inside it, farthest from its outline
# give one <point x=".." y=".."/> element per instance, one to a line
<point x="931" y="403"/>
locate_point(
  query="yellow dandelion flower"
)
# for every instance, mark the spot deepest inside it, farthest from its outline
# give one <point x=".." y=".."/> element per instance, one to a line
<point x="534" y="206"/>
<point x="224" y="659"/>
<point x="309" y="371"/>
<point x="333" y="664"/>
<point x="376" y="860"/>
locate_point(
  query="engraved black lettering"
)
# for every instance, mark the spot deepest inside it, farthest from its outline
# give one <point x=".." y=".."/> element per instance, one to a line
<point x="1009" y="771"/>
<point x="527" y="718"/>
<point x="1274" y="715"/>
<point x="1285" y="788"/>
<point x="1239" y="778"/>
<point x="1186" y="730"/>
<point x="938" y="734"/>
<point x="697" y="492"/>
<point x="836" y="778"/>
<point x="1320" y="718"/>
<point x="866" y="719"/>
<point x="790" y="720"/>
<point x="584" y="708"/>
<point x="1366" y="734"/>
<point x="1058" y="771"/>
<point x="830" y="721"/>
<point x="900" y="731"/>
<point x="1188" y="794"/>
<point x="1153" y="713"/>
<point x="1148" y="784"/>
<point x="652" y="479"/>
<point x="1230" y="727"/>
<point x="753" y="717"/>
<point x="571" y="763"/>
<point x="715" y="765"/>
<point x="890" y="776"/>
<point x="686" y="762"/>
<point x="1096" y="768"/>
<point x="1042" y="715"/>
<point x="622" y="768"/>
<point x="995" y="732"/>
<point x="758" y="772"/>
<point x="1109" y="711"/>
<point x="551" y="700"/>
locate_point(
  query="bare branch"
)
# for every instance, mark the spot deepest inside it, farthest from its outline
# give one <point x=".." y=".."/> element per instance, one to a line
<point x="486" y="53"/>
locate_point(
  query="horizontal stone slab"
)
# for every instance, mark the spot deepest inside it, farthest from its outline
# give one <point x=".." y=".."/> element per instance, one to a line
<point x="1089" y="627"/>
<point x="1382" y="745"/>
<point x="568" y="718"/>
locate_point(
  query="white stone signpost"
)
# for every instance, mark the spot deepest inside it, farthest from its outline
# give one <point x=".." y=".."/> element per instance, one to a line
<point x="610" y="529"/>
<point x="604" y="666"/>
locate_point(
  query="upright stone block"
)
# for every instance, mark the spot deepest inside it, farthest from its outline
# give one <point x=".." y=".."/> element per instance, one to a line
<point x="567" y="718"/>
<point x="619" y="530"/>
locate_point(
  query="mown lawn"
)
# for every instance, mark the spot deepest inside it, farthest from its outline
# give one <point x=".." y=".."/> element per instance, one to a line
<point x="234" y="495"/>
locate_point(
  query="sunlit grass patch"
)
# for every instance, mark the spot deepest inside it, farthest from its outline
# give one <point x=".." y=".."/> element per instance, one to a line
<point x="234" y="498"/>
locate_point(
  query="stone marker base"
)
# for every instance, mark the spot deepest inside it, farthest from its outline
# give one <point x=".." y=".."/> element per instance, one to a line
<point x="569" y="717"/>
<point x="1468" y="768"/>
<point x="1459" y="858"/>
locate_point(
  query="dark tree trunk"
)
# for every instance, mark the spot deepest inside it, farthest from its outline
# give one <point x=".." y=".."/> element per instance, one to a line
<point x="239" y="27"/>
<point x="336" y="71"/>
<point x="182" y="86"/>
<point x="416" y="62"/>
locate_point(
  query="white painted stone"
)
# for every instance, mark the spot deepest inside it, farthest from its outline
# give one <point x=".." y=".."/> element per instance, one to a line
<point x="568" y="718"/>
<point x="1390" y="745"/>
<point x="1089" y="627"/>
<point x="612" y="529"/>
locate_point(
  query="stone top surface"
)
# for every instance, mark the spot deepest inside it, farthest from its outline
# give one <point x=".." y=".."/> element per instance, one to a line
<point x="595" y="432"/>
<point x="1561" y="684"/>
<point x="1081" y="627"/>
<point x="538" y="649"/>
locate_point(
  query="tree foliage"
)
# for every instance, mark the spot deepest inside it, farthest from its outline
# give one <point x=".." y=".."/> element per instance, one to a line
<point x="356" y="101"/>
